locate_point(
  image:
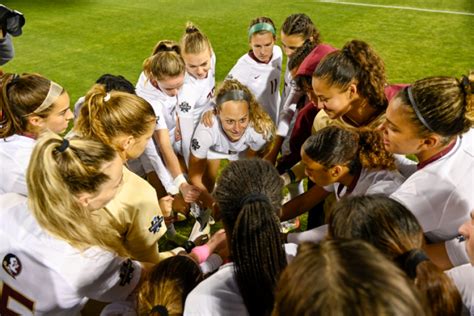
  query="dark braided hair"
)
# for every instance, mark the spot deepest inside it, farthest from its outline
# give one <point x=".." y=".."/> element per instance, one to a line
<point x="301" y="24"/>
<point x="249" y="195"/>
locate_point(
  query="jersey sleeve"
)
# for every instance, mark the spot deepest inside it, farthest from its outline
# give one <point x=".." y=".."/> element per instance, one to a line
<point x="202" y="140"/>
<point x="256" y="141"/>
<point x="101" y="275"/>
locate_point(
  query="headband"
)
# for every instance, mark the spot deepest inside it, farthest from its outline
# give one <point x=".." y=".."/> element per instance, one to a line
<point x="417" y="110"/>
<point x="65" y="144"/>
<point x="261" y="27"/>
<point x="232" y="95"/>
<point x="54" y="92"/>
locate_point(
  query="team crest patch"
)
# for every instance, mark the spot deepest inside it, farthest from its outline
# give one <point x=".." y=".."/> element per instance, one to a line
<point x="12" y="265"/>
<point x="126" y="272"/>
<point x="195" y="144"/>
<point x="157" y="119"/>
<point x="156" y="224"/>
<point x="184" y="107"/>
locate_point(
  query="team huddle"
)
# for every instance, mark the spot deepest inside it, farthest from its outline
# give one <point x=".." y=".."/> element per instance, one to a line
<point x="384" y="171"/>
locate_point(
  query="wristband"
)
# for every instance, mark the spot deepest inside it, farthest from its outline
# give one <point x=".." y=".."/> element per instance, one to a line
<point x="202" y="252"/>
<point x="179" y="180"/>
<point x="292" y="175"/>
<point x="189" y="245"/>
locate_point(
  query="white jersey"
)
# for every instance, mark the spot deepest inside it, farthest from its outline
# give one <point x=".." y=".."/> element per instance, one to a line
<point x="370" y="182"/>
<point x="262" y="79"/>
<point x="163" y="105"/>
<point x="219" y="294"/>
<point x="463" y="278"/>
<point x="214" y="139"/>
<point x="43" y="275"/>
<point x="194" y="98"/>
<point x="440" y="195"/>
<point x="15" y="153"/>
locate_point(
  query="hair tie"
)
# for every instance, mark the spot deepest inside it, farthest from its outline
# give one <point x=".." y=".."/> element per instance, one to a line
<point x="64" y="145"/>
<point x="254" y="197"/>
<point x="466" y="85"/>
<point x="107" y="97"/>
<point x="409" y="260"/>
<point x="261" y="27"/>
<point x="417" y="110"/>
<point x="160" y="309"/>
<point x="191" y="29"/>
<point x="232" y="95"/>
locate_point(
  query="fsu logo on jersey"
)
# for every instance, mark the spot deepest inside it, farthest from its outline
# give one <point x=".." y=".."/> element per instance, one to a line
<point x="195" y="144"/>
<point x="184" y="107"/>
<point x="156" y="224"/>
<point x="12" y="265"/>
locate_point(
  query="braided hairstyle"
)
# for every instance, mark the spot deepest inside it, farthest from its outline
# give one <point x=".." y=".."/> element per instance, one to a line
<point x="301" y="24"/>
<point x="252" y="225"/>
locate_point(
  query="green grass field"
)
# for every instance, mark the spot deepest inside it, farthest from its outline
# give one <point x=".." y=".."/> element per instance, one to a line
<point x="73" y="42"/>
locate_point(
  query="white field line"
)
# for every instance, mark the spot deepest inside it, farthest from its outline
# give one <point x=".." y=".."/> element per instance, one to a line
<point x="394" y="7"/>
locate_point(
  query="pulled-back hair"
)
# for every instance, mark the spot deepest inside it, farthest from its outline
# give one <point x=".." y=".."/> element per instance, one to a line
<point x="194" y="41"/>
<point x="335" y="145"/>
<point x="300" y="24"/>
<point x="105" y="116"/>
<point x="262" y="19"/>
<point x="445" y="103"/>
<point x="252" y="224"/>
<point x="53" y="178"/>
<point x="21" y="96"/>
<point x="166" y="61"/>
<point x="168" y="285"/>
<point x="344" y="278"/>
<point x="259" y="119"/>
<point x="394" y="230"/>
<point x="358" y="62"/>
<point x="118" y="83"/>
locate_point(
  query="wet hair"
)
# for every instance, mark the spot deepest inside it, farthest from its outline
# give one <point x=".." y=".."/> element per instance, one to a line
<point x="105" y="116"/>
<point x="335" y="145"/>
<point x="21" y="96"/>
<point x="259" y="119"/>
<point x="344" y="278"/>
<point x="300" y="24"/>
<point x="395" y="231"/>
<point x="194" y="41"/>
<point x="262" y="19"/>
<point x="168" y="285"/>
<point x="117" y="83"/>
<point x="356" y="62"/>
<point x="446" y="104"/>
<point x="58" y="171"/>
<point x="166" y="61"/>
<point x="252" y="225"/>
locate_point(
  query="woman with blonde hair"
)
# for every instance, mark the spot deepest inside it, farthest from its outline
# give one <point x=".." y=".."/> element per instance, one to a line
<point x="55" y="253"/>
<point x="239" y="126"/>
<point x="160" y="83"/>
<point x="29" y="105"/>
<point x="126" y="122"/>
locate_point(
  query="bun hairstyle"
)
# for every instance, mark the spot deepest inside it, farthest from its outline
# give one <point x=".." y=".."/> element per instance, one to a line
<point x="194" y="41"/>
<point x="335" y="145"/>
<point x="165" y="62"/>
<point x="441" y="105"/>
